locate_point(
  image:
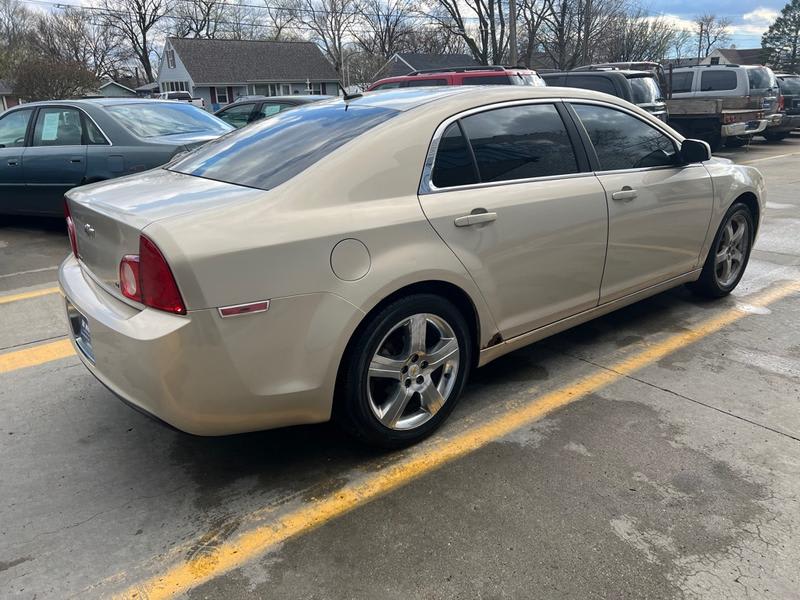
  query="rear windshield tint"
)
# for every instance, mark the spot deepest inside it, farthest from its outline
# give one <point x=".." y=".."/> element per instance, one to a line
<point x="645" y="90"/>
<point x="270" y="152"/>
<point x="761" y="78"/>
<point x="156" y="119"/>
<point x="790" y="86"/>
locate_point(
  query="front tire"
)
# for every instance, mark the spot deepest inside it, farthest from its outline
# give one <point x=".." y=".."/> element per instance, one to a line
<point x="775" y="137"/>
<point x="736" y="141"/>
<point x="729" y="254"/>
<point x="405" y="371"/>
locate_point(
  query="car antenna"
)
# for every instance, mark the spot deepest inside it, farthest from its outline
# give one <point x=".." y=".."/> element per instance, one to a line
<point x="347" y="97"/>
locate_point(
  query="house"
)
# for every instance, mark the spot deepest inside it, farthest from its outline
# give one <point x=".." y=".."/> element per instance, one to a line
<point x="403" y="63"/>
<point x="114" y="89"/>
<point x="7" y="97"/>
<point x="147" y="90"/>
<point x="220" y="71"/>
<point x="735" y="56"/>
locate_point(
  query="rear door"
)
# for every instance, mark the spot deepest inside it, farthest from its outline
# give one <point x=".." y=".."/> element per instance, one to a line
<point x="13" y="131"/>
<point x="659" y="209"/>
<point x="56" y="158"/>
<point x="506" y="190"/>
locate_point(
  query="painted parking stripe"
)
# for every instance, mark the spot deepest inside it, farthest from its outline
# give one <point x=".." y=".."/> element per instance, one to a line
<point x="237" y="551"/>
<point x="35" y="355"/>
<point x="28" y="295"/>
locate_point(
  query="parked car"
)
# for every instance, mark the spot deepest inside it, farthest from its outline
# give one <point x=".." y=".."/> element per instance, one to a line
<point x="46" y="148"/>
<point x="359" y="257"/>
<point x="182" y="97"/>
<point x="637" y="87"/>
<point x="255" y="108"/>
<point x="493" y="75"/>
<point x="789" y="107"/>
<point x="749" y="88"/>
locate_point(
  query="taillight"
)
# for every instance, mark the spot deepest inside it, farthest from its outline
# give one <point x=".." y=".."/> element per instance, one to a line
<point x="781" y="104"/>
<point x="73" y="239"/>
<point x="147" y="278"/>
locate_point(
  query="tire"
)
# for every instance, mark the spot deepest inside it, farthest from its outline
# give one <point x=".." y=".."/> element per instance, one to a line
<point x="775" y="137"/>
<point x="713" y="281"/>
<point x="736" y="141"/>
<point x="387" y="407"/>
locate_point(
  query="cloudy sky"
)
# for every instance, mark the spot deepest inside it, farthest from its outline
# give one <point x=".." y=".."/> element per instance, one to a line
<point x="749" y="18"/>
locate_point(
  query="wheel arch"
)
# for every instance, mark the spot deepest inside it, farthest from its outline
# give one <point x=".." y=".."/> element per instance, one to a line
<point x="750" y="200"/>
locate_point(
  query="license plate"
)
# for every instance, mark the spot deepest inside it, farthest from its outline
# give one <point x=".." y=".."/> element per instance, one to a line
<point x="81" y="331"/>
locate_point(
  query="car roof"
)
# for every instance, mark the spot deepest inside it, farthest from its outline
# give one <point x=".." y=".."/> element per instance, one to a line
<point x="403" y="99"/>
<point x="601" y="72"/>
<point x="86" y="102"/>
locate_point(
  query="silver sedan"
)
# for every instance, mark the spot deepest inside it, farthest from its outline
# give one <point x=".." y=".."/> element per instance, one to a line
<point x="358" y="257"/>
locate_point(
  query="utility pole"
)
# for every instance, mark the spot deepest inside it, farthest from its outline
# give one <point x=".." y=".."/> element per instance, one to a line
<point x="587" y="22"/>
<point x="700" y="43"/>
<point x="512" y="30"/>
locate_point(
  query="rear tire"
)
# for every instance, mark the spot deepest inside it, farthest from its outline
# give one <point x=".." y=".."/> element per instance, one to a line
<point x="404" y="371"/>
<point x="776" y="137"/>
<point x="729" y="254"/>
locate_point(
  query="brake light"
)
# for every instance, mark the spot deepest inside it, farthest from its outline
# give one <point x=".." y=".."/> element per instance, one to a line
<point x="73" y="239"/>
<point x="781" y="104"/>
<point x="147" y="278"/>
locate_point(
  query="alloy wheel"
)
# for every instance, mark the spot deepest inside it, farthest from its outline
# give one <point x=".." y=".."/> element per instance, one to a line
<point x="413" y="372"/>
<point x="731" y="251"/>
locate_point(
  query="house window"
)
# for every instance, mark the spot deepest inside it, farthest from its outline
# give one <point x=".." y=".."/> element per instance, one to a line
<point x="315" y="89"/>
<point x="715" y="60"/>
<point x="175" y="86"/>
<point x="222" y="95"/>
<point x="170" y="59"/>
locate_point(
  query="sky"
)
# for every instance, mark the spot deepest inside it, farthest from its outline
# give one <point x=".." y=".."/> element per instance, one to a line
<point x="749" y="18"/>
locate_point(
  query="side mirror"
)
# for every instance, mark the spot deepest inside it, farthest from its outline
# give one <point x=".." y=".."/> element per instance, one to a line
<point x="693" y="151"/>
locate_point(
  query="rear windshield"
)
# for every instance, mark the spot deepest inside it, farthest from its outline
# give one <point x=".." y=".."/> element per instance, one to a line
<point x="645" y="90"/>
<point x="527" y="79"/>
<point x="761" y="78"/>
<point x="156" y="119"/>
<point x="790" y="86"/>
<point x="272" y="151"/>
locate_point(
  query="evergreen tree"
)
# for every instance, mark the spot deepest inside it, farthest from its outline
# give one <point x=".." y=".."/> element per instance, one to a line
<point x="781" y="42"/>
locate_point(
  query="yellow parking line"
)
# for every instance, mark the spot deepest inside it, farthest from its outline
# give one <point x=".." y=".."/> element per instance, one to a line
<point x="250" y="544"/>
<point x="35" y="355"/>
<point x="28" y="295"/>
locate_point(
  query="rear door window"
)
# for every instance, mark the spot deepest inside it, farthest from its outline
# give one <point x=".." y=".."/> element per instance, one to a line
<point x="645" y="90"/>
<point x="622" y="141"/>
<point x="426" y="82"/>
<point x="453" y="165"/>
<point x="237" y="115"/>
<point x="718" y="81"/>
<point x="761" y="78"/>
<point x="272" y="151"/>
<point x="389" y="86"/>
<point x="520" y="142"/>
<point x="13" y="127"/>
<point x="682" y="82"/>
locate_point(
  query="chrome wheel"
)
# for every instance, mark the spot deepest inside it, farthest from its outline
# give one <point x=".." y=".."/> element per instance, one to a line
<point x="413" y="372"/>
<point x="731" y="251"/>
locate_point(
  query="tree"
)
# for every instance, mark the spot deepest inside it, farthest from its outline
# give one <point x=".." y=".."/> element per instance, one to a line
<point x="330" y="23"/>
<point x="135" y="21"/>
<point x="712" y="32"/>
<point x="16" y="26"/>
<point x="488" y="39"/>
<point x="572" y="30"/>
<point x="531" y="16"/>
<point x="200" y="18"/>
<point x="386" y="26"/>
<point x="633" y="37"/>
<point x="41" y="78"/>
<point x="781" y="41"/>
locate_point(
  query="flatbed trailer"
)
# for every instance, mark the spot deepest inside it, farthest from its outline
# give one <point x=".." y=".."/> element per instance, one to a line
<point x="717" y="120"/>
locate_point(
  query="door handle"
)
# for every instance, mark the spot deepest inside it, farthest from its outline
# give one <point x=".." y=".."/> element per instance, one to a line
<point x="626" y="194"/>
<point x="75" y="160"/>
<point x="475" y="218"/>
<point x="13" y="162"/>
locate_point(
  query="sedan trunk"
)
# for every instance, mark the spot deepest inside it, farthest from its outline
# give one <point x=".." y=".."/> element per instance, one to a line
<point x="110" y="216"/>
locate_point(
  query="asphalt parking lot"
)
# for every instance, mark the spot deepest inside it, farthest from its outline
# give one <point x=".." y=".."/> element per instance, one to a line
<point x="652" y="453"/>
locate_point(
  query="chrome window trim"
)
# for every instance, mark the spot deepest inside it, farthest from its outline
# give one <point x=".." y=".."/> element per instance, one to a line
<point x="426" y="185"/>
<point x="83" y="112"/>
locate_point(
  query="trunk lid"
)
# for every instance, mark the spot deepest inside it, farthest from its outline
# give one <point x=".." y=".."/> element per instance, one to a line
<point x="109" y="216"/>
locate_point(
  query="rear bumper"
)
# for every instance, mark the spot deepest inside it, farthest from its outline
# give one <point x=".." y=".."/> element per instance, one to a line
<point x="786" y="123"/>
<point x="207" y="375"/>
<point x="744" y="128"/>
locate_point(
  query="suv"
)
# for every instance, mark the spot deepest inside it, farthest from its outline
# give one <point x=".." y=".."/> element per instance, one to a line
<point x="637" y="87"/>
<point x="789" y="105"/>
<point x="461" y="76"/>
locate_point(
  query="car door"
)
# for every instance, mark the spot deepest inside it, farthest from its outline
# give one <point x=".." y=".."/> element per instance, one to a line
<point x="13" y="131"/>
<point x="238" y="115"/>
<point x="508" y="193"/>
<point x="55" y="161"/>
<point x="659" y="209"/>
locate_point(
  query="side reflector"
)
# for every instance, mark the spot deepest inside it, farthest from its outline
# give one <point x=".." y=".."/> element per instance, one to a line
<point x="244" y="309"/>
